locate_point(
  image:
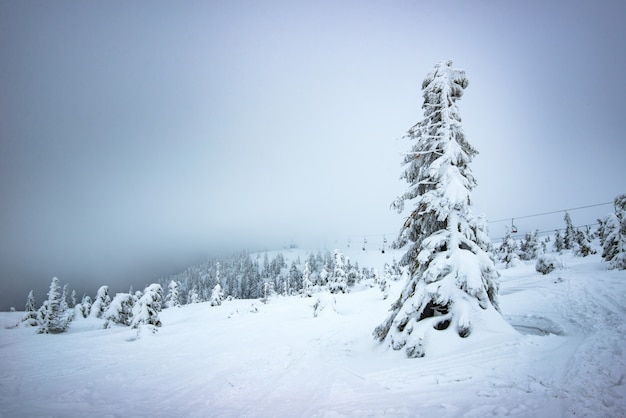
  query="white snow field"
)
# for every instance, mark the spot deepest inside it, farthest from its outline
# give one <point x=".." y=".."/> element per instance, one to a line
<point x="566" y="357"/>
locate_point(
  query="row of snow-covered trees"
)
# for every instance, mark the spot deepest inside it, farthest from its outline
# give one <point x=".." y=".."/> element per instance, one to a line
<point x="611" y="233"/>
<point x="246" y="276"/>
<point x="532" y="246"/>
<point x="240" y="276"/>
<point x="57" y="312"/>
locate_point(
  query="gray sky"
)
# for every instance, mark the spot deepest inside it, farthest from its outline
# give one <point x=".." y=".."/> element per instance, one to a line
<point x="137" y="137"/>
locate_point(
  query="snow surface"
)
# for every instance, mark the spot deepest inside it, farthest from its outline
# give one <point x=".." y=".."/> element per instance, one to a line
<point x="249" y="359"/>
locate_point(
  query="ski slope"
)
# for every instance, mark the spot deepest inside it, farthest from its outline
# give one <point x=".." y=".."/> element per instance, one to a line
<point x="565" y="357"/>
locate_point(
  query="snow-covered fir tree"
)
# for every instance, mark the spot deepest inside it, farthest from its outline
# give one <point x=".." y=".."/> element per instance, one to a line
<point x="30" y="317"/>
<point x="217" y="295"/>
<point x="146" y="309"/>
<point x="100" y="303"/>
<point x="614" y="248"/>
<point x="569" y="236"/>
<point x="120" y="310"/>
<point x="583" y="244"/>
<point x="51" y="318"/>
<point x="307" y="285"/>
<point x="193" y="296"/>
<point x="529" y="249"/>
<point x="385" y="280"/>
<point x="558" y="241"/>
<point x="85" y="306"/>
<point x="509" y="250"/>
<point x="452" y="280"/>
<point x="172" y="300"/>
<point x="65" y="295"/>
<point x="338" y="280"/>
<point x="64" y="305"/>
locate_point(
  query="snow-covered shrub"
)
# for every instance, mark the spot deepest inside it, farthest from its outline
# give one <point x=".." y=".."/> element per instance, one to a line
<point x="120" y="310"/>
<point x="324" y="302"/>
<point x="147" y="308"/>
<point x="547" y="263"/>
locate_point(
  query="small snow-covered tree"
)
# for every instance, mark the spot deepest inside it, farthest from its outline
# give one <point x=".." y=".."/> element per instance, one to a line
<point x="509" y="250"/>
<point x="323" y="276"/>
<point x="452" y="280"/>
<point x="120" y="310"/>
<point x="383" y="285"/>
<point x="193" y="296"/>
<point x="529" y="249"/>
<point x="217" y="295"/>
<point x="306" y="281"/>
<point x="569" y="237"/>
<point x="583" y="244"/>
<point x="85" y="306"/>
<point x="614" y="248"/>
<point x="558" y="241"/>
<point x="172" y="300"/>
<point x="147" y="308"/>
<point x="338" y="280"/>
<point x="100" y="303"/>
<point x="30" y="316"/>
<point x="51" y="319"/>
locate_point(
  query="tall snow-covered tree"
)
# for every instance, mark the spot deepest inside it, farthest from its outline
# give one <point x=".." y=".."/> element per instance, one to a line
<point x="146" y="309"/>
<point x="614" y="248"/>
<point x="452" y="279"/>
<point x="51" y="318"/>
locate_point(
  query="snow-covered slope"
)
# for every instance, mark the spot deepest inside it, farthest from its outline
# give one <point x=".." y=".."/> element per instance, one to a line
<point x="246" y="358"/>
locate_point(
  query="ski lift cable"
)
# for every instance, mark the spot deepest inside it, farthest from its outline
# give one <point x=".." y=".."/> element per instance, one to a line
<point x="550" y="213"/>
<point x="490" y="222"/>
<point x="545" y="232"/>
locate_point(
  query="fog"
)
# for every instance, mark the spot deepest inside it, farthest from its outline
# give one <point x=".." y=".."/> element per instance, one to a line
<point x="138" y="138"/>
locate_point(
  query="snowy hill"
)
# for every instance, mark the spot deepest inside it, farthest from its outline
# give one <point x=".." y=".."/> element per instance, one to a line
<point x="247" y="358"/>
